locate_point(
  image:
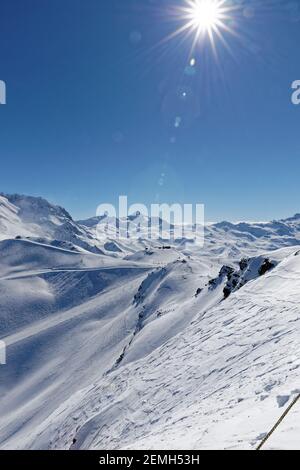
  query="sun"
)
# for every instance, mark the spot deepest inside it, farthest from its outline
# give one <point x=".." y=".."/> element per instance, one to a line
<point x="205" y="18"/>
<point x="204" y="15"/>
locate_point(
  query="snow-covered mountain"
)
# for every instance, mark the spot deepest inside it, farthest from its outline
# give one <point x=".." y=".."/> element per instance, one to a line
<point x="136" y="344"/>
<point x="224" y="239"/>
<point x="35" y="218"/>
<point x="32" y="217"/>
<point x="234" y="239"/>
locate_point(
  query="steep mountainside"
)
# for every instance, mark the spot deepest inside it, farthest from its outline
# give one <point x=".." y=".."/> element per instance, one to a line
<point x="26" y="216"/>
<point x="143" y="343"/>
<point x="220" y="383"/>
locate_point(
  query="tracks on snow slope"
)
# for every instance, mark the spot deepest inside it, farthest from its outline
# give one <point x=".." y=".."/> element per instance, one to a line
<point x="152" y="282"/>
<point x="62" y="317"/>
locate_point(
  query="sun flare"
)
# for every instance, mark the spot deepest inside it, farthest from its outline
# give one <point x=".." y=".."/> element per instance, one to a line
<point x="206" y="18"/>
<point x="205" y="14"/>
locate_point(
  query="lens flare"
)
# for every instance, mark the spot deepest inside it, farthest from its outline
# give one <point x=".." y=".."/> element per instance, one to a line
<point x="205" y="18"/>
<point x="204" y="15"/>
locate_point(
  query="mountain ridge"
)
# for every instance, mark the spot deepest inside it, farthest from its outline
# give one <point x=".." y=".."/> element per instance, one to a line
<point x="143" y="343"/>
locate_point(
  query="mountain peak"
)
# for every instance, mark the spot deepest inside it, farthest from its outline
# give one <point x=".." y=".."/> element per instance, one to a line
<point x="25" y="202"/>
<point x="295" y="218"/>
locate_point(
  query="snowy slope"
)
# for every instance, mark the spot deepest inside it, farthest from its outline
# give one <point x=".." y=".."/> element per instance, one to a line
<point x="32" y="217"/>
<point x="286" y="435"/>
<point x="144" y="344"/>
<point x="220" y="383"/>
<point x="68" y="317"/>
<point x="10" y="221"/>
<point x="197" y="373"/>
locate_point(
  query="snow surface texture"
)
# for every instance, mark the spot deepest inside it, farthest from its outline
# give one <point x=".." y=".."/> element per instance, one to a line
<point x="132" y="344"/>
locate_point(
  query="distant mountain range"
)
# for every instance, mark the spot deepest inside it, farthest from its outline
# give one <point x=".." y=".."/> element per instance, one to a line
<point x="32" y="217"/>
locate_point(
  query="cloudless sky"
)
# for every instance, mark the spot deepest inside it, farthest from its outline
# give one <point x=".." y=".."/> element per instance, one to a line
<point x="100" y="105"/>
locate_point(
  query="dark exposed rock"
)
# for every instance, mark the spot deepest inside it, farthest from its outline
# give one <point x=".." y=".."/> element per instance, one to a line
<point x="265" y="267"/>
<point x="226" y="271"/>
<point x="226" y="292"/>
<point x="198" y="292"/>
<point x="243" y="264"/>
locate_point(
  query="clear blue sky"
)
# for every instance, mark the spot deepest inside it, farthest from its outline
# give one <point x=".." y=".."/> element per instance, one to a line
<point x="94" y="101"/>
